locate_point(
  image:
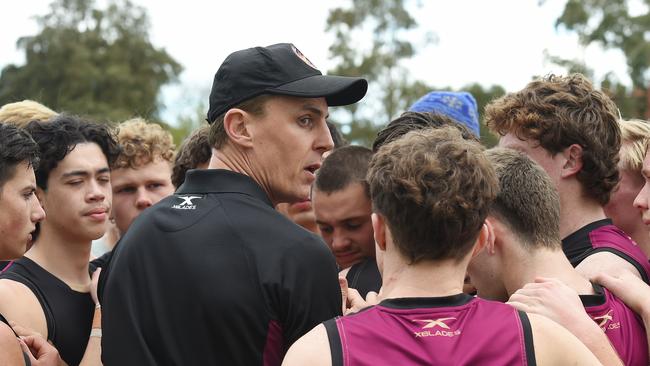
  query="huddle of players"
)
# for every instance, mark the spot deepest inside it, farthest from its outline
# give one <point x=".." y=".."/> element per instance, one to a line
<point x="430" y="205"/>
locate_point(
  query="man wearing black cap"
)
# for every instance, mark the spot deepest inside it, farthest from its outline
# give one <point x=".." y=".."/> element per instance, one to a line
<point x="214" y="275"/>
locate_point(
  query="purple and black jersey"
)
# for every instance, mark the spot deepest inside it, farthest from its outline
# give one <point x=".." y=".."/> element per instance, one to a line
<point x="458" y="330"/>
<point x="622" y="326"/>
<point x="603" y="236"/>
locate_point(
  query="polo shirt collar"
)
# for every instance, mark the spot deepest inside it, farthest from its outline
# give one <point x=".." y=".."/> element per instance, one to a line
<point x="221" y="181"/>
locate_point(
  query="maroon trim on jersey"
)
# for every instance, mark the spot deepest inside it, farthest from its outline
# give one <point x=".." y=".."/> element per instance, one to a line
<point x="274" y="347"/>
<point x="7" y="266"/>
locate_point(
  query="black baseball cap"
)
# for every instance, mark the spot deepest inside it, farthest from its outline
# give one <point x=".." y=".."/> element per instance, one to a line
<point x="277" y="69"/>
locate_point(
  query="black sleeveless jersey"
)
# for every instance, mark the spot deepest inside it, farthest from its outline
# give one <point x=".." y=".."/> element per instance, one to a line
<point x="69" y="314"/>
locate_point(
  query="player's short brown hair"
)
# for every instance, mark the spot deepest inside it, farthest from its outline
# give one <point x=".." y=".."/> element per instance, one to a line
<point x="528" y="202"/>
<point x="435" y="189"/>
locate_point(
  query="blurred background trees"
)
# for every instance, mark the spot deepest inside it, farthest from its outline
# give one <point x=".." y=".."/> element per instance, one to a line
<point x="100" y="62"/>
<point x="91" y="61"/>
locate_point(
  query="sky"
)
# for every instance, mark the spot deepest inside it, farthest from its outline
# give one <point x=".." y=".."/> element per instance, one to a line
<point x="490" y="42"/>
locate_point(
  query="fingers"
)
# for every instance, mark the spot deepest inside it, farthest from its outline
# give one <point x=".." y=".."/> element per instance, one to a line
<point x="26" y="350"/>
<point x="95" y="282"/>
<point x="343" y="283"/>
<point x="372" y="298"/>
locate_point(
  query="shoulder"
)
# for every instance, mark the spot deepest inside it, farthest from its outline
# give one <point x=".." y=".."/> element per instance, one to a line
<point x="554" y="345"/>
<point x="606" y="262"/>
<point x="311" y="349"/>
<point x="21" y="305"/>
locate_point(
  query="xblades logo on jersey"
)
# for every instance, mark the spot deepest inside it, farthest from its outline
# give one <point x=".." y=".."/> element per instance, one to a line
<point x="444" y="331"/>
<point x="186" y="203"/>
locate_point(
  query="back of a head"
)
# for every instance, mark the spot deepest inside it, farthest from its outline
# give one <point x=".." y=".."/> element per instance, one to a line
<point x="435" y="189"/>
<point x="60" y="135"/>
<point x="17" y="147"/>
<point x="460" y="106"/>
<point x="194" y="152"/>
<point x="528" y="202"/>
<point x="344" y="166"/>
<point x="558" y="112"/>
<point x="410" y="121"/>
<point x="21" y="113"/>
<point x="634" y="134"/>
<point x="143" y="142"/>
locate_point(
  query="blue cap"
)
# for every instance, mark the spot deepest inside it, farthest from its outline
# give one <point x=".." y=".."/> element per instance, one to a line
<point x="461" y="106"/>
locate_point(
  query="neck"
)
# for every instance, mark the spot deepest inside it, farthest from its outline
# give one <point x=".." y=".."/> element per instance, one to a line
<point x="525" y="266"/>
<point x="64" y="257"/>
<point x="577" y="211"/>
<point x="401" y="279"/>
<point x="233" y="159"/>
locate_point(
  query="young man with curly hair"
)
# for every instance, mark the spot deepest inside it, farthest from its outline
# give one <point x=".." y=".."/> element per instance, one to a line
<point x="445" y="184"/>
<point x="141" y="175"/>
<point x="48" y="289"/>
<point x="572" y="131"/>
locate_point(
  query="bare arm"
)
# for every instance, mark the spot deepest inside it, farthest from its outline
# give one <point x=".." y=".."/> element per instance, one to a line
<point x="555" y="300"/>
<point x="10" y="352"/>
<point x="311" y="349"/>
<point x="554" y="345"/>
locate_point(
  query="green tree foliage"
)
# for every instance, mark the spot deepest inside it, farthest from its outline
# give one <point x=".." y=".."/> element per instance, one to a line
<point x="91" y="61"/>
<point x="391" y="88"/>
<point x="614" y="25"/>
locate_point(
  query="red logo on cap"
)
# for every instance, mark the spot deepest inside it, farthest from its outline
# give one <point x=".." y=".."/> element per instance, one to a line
<point x="302" y="57"/>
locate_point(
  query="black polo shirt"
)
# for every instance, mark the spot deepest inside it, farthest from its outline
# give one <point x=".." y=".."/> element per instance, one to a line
<point x="213" y="275"/>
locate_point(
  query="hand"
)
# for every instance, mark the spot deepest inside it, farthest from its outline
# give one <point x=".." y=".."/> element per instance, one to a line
<point x="356" y="302"/>
<point x="629" y="288"/>
<point x="40" y="352"/>
<point x="553" y="299"/>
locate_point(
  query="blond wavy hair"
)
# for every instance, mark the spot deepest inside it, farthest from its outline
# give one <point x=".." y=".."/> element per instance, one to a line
<point x="143" y="142"/>
<point x="634" y="134"/>
<point x="21" y="113"/>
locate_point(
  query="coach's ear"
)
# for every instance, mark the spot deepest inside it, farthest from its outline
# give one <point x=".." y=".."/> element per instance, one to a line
<point x="236" y="124"/>
<point x="380" y="229"/>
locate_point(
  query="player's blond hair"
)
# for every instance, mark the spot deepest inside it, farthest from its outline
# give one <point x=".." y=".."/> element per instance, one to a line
<point x="21" y="113"/>
<point x="634" y="135"/>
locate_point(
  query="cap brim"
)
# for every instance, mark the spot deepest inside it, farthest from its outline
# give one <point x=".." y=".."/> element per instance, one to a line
<point x="337" y="90"/>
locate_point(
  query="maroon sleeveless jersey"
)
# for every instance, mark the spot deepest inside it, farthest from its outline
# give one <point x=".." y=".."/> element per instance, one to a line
<point x="622" y="326"/>
<point x="602" y="236"/>
<point x="452" y="330"/>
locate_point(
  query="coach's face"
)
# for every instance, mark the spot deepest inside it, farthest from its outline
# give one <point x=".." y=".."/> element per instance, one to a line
<point x="288" y="142"/>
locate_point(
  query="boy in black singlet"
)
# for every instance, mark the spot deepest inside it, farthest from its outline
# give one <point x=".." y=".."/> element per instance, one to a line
<point x="19" y="213"/>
